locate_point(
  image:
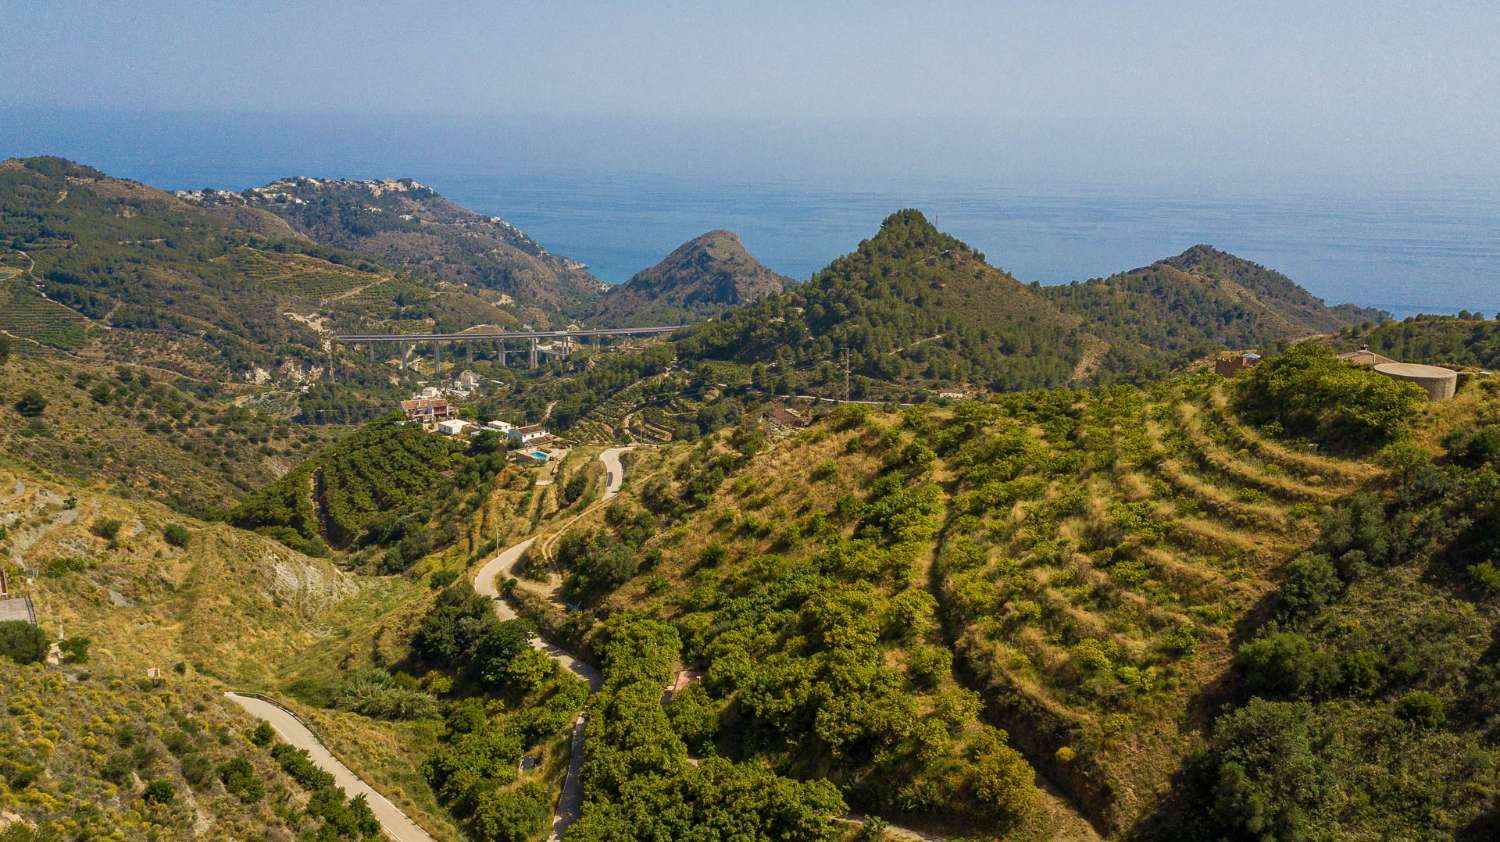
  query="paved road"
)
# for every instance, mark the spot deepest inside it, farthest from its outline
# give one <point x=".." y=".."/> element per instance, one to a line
<point x="570" y="803"/>
<point x="393" y="822"/>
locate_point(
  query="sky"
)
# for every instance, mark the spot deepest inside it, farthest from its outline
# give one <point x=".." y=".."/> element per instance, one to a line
<point x="1297" y="94"/>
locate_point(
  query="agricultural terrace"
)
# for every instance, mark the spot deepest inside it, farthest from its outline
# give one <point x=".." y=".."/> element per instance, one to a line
<point x="1065" y="572"/>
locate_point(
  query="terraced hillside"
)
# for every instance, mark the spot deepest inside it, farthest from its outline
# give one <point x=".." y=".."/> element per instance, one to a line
<point x="1089" y="562"/>
<point x="1110" y="549"/>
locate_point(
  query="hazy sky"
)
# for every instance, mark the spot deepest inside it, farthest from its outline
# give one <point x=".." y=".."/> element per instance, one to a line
<point x="1298" y="93"/>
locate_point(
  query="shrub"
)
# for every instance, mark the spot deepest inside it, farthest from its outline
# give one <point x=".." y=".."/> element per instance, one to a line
<point x="197" y="770"/>
<point x="1311" y="583"/>
<point x="75" y="650"/>
<point x="1286" y="664"/>
<point x="514" y="815"/>
<point x="177" y="535"/>
<point x="1486" y="578"/>
<point x="107" y="529"/>
<point x="262" y="734"/>
<point x="160" y="791"/>
<point x="1422" y="709"/>
<point x="238" y="777"/>
<point x="22" y="642"/>
<point x="31" y="404"/>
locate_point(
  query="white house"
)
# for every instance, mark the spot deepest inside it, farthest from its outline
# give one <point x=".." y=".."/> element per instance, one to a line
<point x="531" y="434"/>
<point x="503" y="427"/>
<point x="453" y="427"/>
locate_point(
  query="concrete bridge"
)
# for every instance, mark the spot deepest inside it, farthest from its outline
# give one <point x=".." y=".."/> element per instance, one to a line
<point x="407" y="341"/>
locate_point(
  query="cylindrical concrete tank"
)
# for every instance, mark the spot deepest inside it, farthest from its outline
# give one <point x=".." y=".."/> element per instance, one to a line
<point x="1439" y="383"/>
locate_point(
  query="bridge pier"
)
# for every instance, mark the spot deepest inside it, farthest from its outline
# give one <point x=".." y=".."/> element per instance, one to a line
<point x="532" y="357"/>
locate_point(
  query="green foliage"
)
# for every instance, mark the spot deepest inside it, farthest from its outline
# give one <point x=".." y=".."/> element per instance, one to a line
<point x="377" y="485"/>
<point x="1311" y="583"/>
<point x="22" y="642"/>
<point x="477" y="756"/>
<point x="176" y="535"/>
<point x="1422" y="709"/>
<point x="106" y="529"/>
<point x="1287" y="664"/>
<point x="1310" y="392"/>
<point x="31" y="404"/>
<point x="159" y="791"/>
<point x="377" y="693"/>
<point x="239" y="779"/>
<point x="262" y="734"/>
<point x="510" y="815"/>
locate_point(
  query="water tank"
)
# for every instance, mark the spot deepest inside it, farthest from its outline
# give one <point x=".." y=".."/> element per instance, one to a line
<point x="1439" y="383"/>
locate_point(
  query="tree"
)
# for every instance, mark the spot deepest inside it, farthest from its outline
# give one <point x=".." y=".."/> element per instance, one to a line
<point x="514" y="815"/>
<point x="1286" y="664"/>
<point x="4" y="348"/>
<point x="22" y="642"/>
<point x="31" y="404"/>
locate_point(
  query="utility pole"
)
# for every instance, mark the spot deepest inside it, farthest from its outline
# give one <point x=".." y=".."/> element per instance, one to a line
<point x="846" y="372"/>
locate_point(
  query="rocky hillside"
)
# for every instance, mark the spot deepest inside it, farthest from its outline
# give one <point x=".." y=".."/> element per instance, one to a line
<point x="406" y="223"/>
<point x="703" y="277"/>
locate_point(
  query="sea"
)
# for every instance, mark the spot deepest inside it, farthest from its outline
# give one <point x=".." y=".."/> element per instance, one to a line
<point x="1405" y="251"/>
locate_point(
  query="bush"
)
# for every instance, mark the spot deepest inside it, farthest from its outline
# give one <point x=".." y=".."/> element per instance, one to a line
<point x="176" y="535"/>
<point x="75" y="650"/>
<point x="1422" y="709"/>
<point x="106" y="529"/>
<point x="197" y="770"/>
<point x="238" y="777"/>
<point x="1286" y="664"/>
<point x="22" y="642"/>
<point x="31" y="404"/>
<point x="262" y="734"/>
<point x="160" y="791"/>
<point x="514" y="815"/>
<point x="1486" y="578"/>
<point x="1311" y="583"/>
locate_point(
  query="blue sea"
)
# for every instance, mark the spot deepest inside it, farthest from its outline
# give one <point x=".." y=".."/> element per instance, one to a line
<point x="1406" y="251"/>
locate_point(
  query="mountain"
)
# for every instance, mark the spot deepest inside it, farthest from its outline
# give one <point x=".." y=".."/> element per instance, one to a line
<point x="1200" y="301"/>
<point x="116" y="269"/>
<point x="703" y="277"/>
<point x="1467" y="339"/>
<point x="403" y="222"/>
<point x="915" y="308"/>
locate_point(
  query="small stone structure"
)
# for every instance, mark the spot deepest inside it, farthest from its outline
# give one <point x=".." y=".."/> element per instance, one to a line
<point x="1439" y="383"/>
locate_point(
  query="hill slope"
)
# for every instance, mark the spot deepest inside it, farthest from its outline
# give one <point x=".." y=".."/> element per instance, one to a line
<point x="1200" y="301"/>
<point x="703" y="277"/>
<point x="916" y="308"/>
<point x="125" y="271"/>
<point x="404" y="222"/>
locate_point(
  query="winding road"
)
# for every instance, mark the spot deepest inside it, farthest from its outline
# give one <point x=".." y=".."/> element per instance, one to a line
<point x="396" y="824"/>
<point x="570" y="803"/>
<point x="292" y="731"/>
